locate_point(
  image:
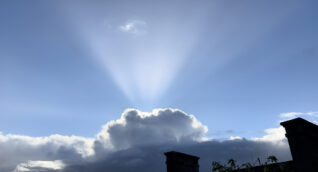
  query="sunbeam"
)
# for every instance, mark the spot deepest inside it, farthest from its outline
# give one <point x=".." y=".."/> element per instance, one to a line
<point x="142" y="56"/>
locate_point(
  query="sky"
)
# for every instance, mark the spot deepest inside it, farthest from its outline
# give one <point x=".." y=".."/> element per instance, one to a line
<point x="220" y="73"/>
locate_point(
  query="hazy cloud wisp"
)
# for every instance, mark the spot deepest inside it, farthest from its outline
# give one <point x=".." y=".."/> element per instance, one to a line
<point x="136" y="27"/>
<point x="298" y="114"/>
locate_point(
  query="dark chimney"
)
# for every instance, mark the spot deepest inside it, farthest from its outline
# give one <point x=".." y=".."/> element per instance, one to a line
<point x="180" y="162"/>
<point x="303" y="142"/>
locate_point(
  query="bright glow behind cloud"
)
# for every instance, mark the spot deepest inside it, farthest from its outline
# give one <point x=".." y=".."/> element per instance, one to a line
<point x="142" y="65"/>
<point x="143" y="54"/>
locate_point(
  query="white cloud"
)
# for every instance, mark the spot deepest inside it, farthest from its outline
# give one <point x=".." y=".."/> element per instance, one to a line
<point x="39" y="166"/>
<point x="136" y="128"/>
<point x="274" y="135"/>
<point x="236" y="138"/>
<point x="312" y="114"/>
<point x="298" y="114"/>
<point x="136" y="27"/>
<point x="290" y="114"/>
<point x="81" y="145"/>
<point x="16" y="149"/>
<point x="277" y="135"/>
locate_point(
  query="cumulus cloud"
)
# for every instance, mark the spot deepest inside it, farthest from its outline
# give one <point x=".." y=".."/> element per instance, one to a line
<point x="136" y="128"/>
<point x="134" y="142"/>
<point x="136" y="27"/>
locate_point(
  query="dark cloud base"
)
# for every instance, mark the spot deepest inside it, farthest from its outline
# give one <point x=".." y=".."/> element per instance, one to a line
<point x="151" y="158"/>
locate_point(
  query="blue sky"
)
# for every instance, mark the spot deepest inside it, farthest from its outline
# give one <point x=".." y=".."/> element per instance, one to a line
<point x="68" y="67"/>
<point x="82" y="82"/>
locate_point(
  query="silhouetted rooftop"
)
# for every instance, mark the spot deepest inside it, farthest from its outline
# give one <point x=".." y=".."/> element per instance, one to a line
<point x="299" y="122"/>
<point x="174" y="153"/>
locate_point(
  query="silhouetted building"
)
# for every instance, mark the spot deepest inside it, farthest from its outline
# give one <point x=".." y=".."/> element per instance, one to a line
<point x="180" y="162"/>
<point x="303" y="142"/>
